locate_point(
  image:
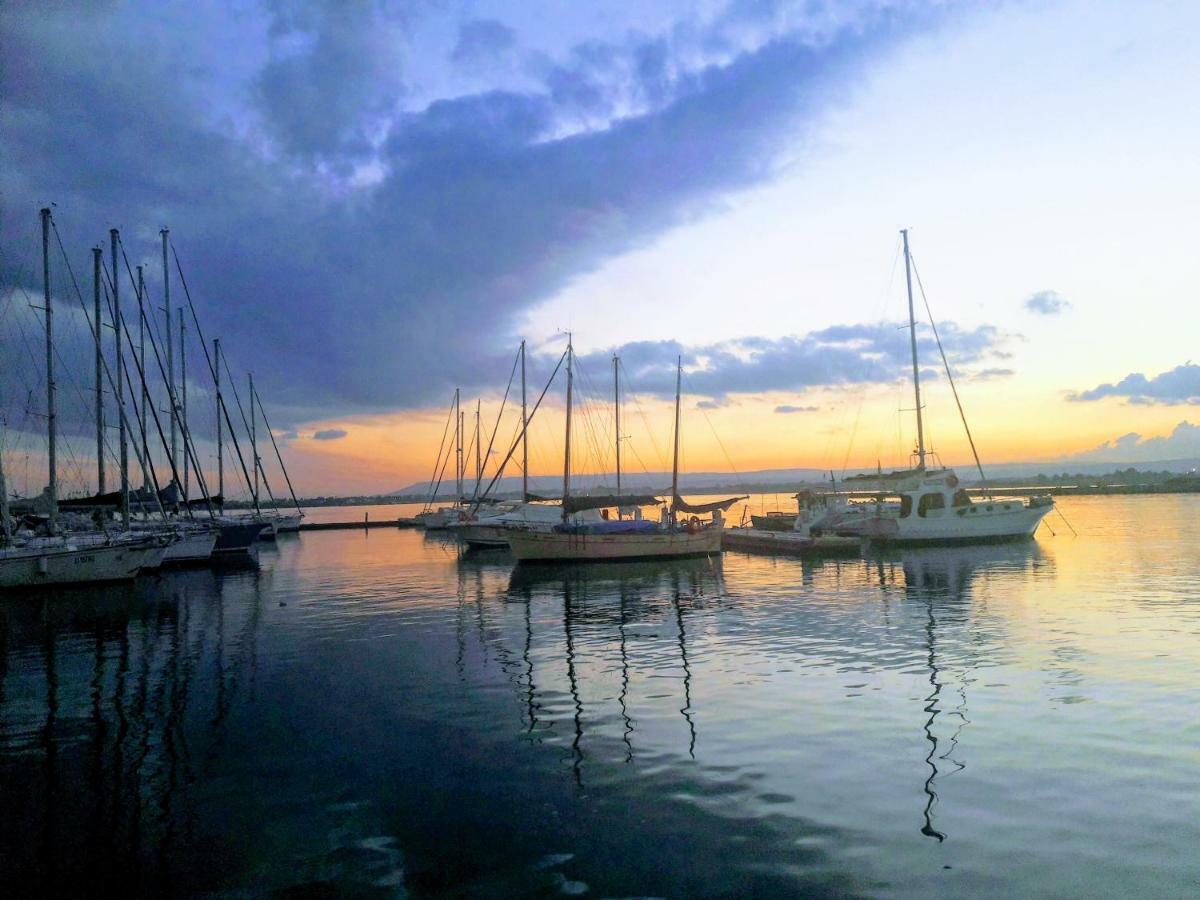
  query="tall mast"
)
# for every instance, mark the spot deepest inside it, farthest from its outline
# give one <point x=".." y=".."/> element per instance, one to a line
<point x="524" y="434"/>
<point x="478" y="450"/>
<point x="170" y="345"/>
<point x="118" y="326"/>
<point x="458" y="441"/>
<point x="912" y="335"/>
<point x="567" y="446"/>
<point x="97" y="253"/>
<point x="141" y="299"/>
<point x="220" y="435"/>
<point x="51" y="421"/>
<point x="253" y="441"/>
<point x="5" y="527"/>
<point x="617" y="420"/>
<point x="675" y="461"/>
<point x="183" y="404"/>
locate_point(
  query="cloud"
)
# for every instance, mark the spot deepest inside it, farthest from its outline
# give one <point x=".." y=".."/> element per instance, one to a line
<point x="873" y="353"/>
<point x="1182" y="443"/>
<point x="1180" y="385"/>
<point x="992" y="373"/>
<point x="482" y="42"/>
<point x="330" y="434"/>
<point x="1047" y="303"/>
<point x="787" y="410"/>
<point x="709" y="404"/>
<point x="359" y="227"/>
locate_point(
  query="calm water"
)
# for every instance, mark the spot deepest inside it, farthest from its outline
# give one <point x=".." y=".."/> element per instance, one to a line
<point x="368" y="715"/>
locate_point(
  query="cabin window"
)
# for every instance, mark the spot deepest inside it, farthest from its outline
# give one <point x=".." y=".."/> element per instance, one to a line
<point x="961" y="498"/>
<point x="905" y="506"/>
<point x="930" y="502"/>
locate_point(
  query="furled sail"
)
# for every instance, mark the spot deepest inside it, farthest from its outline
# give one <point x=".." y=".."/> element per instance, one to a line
<point x="603" y="501"/>
<point x="681" y="505"/>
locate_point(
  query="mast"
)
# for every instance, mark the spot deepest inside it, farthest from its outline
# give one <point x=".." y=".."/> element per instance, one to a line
<point x="567" y="448"/>
<point x="170" y="345"/>
<point x="253" y="441"/>
<point x="478" y="450"/>
<point x="118" y="325"/>
<point x="524" y="434"/>
<point x="141" y="298"/>
<point x="220" y="435"/>
<point x="183" y="404"/>
<point x="912" y="335"/>
<point x="97" y="253"/>
<point x="675" y="460"/>
<point x="5" y="527"/>
<point x="458" y="441"/>
<point x="51" y="421"/>
<point x="617" y="421"/>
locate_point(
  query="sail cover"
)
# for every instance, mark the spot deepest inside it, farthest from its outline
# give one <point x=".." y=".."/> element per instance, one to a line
<point x="681" y="505"/>
<point x="602" y="501"/>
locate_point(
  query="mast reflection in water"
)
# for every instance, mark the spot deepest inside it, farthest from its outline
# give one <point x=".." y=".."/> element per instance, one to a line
<point x="372" y="713"/>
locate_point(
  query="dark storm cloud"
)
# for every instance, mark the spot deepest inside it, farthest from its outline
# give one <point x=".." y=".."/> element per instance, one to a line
<point x="1180" y="385"/>
<point x="351" y="299"/>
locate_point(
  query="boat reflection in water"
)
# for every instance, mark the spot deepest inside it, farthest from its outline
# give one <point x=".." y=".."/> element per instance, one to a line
<point x="940" y="582"/>
<point x="115" y="712"/>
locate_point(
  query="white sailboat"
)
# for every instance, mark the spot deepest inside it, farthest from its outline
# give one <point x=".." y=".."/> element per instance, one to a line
<point x="934" y="508"/>
<point x="623" y="538"/>
<point x="68" y="559"/>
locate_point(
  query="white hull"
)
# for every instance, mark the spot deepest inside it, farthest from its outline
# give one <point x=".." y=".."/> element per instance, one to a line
<point x="477" y="535"/>
<point x="998" y="520"/>
<point x="530" y="546"/>
<point x="67" y="565"/>
<point x="191" y="547"/>
<point x="287" y="524"/>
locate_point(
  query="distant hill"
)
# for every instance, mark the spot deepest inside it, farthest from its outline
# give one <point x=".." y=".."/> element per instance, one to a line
<point x="766" y="480"/>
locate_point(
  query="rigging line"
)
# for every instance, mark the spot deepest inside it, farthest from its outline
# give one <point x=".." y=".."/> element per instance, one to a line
<point x="949" y="376"/>
<point x="189" y="446"/>
<point x="713" y="429"/>
<point x="152" y="408"/>
<point x="632" y="391"/>
<point x="516" y="443"/>
<point x="213" y="372"/>
<point x="861" y="393"/>
<point x="246" y="424"/>
<point x="438" y="459"/>
<point x="95" y="330"/>
<point x="491" y="441"/>
<point x="278" y="455"/>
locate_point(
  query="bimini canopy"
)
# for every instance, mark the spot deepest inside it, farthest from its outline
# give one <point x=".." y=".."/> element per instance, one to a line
<point x="681" y="505"/>
<point x="603" y="501"/>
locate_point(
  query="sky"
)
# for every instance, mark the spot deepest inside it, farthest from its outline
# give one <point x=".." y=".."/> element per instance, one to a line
<point x="373" y="203"/>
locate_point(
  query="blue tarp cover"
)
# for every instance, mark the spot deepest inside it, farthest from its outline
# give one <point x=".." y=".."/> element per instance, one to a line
<point x="626" y="526"/>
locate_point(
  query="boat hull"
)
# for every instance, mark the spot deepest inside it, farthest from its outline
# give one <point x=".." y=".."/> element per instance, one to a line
<point x="773" y="522"/>
<point x="556" y="546"/>
<point x="484" y="536"/>
<point x="1007" y="521"/>
<point x="190" y="548"/>
<point x="83" y="565"/>
<point x="237" y="537"/>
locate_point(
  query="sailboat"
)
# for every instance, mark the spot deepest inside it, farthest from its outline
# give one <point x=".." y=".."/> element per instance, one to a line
<point x="64" y="558"/>
<point x="934" y="507"/>
<point x="444" y="517"/>
<point x="623" y="538"/>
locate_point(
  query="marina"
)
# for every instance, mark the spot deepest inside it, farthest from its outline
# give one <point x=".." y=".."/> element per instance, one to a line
<point x="639" y="452"/>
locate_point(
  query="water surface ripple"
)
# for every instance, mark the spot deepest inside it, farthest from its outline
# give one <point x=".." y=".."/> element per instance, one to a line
<point x="370" y="713"/>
